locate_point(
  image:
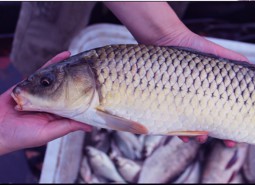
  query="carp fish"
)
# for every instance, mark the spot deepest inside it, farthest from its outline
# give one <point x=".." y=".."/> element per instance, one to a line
<point x="156" y="90"/>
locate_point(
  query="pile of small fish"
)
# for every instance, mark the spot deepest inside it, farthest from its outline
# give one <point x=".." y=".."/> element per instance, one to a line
<point x="122" y="157"/>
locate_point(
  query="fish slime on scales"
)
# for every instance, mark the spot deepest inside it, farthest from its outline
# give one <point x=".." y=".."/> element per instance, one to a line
<point x="154" y="90"/>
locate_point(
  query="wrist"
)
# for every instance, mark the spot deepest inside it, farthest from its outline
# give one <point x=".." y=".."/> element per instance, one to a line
<point x="160" y="34"/>
<point x="147" y="21"/>
<point x="173" y="34"/>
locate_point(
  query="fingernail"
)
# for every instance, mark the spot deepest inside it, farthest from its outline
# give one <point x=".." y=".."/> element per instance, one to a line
<point x="230" y="143"/>
<point x="184" y="139"/>
<point x="201" y="139"/>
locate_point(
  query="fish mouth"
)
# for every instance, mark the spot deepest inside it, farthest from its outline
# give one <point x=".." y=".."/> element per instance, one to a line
<point x="20" y="100"/>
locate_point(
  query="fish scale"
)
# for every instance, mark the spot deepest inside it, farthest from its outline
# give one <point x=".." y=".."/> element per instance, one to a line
<point x="189" y="89"/>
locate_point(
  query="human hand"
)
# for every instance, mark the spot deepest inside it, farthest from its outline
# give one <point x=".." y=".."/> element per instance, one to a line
<point x="25" y="129"/>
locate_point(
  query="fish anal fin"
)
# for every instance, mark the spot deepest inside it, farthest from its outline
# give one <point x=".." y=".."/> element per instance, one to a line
<point x="118" y="123"/>
<point x="187" y="133"/>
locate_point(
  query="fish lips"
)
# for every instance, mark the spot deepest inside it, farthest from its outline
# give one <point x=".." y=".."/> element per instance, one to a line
<point x="19" y="96"/>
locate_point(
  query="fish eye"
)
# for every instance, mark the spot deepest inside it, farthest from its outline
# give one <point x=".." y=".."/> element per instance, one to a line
<point x="46" y="81"/>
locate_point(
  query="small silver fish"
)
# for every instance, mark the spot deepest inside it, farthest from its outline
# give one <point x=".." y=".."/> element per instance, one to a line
<point x="128" y="144"/>
<point x="249" y="165"/>
<point x="151" y="143"/>
<point x="190" y="175"/>
<point x="97" y="180"/>
<point x="102" y="165"/>
<point x="224" y="163"/>
<point x="128" y="169"/>
<point x="114" y="151"/>
<point x="102" y="140"/>
<point x="237" y="179"/>
<point x="141" y="138"/>
<point x="168" y="161"/>
<point x="98" y="134"/>
<point x="85" y="170"/>
<point x="80" y="181"/>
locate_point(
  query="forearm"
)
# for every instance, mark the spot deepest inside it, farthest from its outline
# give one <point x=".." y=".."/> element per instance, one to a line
<point x="147" y="21"/>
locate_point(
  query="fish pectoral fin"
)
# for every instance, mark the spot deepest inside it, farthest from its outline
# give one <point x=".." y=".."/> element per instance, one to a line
<point x="121" y="124"/>
<point x="187" y="133"/>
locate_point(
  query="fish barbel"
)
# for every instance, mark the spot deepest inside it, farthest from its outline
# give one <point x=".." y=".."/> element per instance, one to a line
<point x="148" y="90"/>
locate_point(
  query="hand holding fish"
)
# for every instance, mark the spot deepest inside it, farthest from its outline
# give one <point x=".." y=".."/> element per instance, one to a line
<point x="167" y="32"/>
<point x="22" y="129"/>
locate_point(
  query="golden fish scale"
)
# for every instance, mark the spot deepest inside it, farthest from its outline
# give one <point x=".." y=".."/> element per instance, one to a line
<point x="171" y="89"/>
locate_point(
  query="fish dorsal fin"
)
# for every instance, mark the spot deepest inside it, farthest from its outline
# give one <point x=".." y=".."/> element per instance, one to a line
<point x="121" y="124"/>
<point x="240" y="63"/>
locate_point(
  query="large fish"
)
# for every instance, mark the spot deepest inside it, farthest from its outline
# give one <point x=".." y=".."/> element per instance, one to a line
<point x="148" y="90"/>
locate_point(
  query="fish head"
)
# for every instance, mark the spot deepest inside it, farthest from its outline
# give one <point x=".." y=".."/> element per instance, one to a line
<point x="63" y="89"/>
<point x="94" y="153"/>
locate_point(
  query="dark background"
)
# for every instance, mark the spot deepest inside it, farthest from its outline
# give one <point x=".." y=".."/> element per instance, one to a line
<point x="229" y="20"/>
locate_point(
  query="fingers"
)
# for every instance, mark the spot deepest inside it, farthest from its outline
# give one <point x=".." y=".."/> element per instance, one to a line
<point x="207" y="46"/>
<point x="226" y="53"/>
<point x="61" y="127"/>
<point x="185" y="38"/>
<point x="185" y="139"/>
<point x="230" y="143"/>
<point x="202" y="139"/>
<point x="59" y="57"/>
